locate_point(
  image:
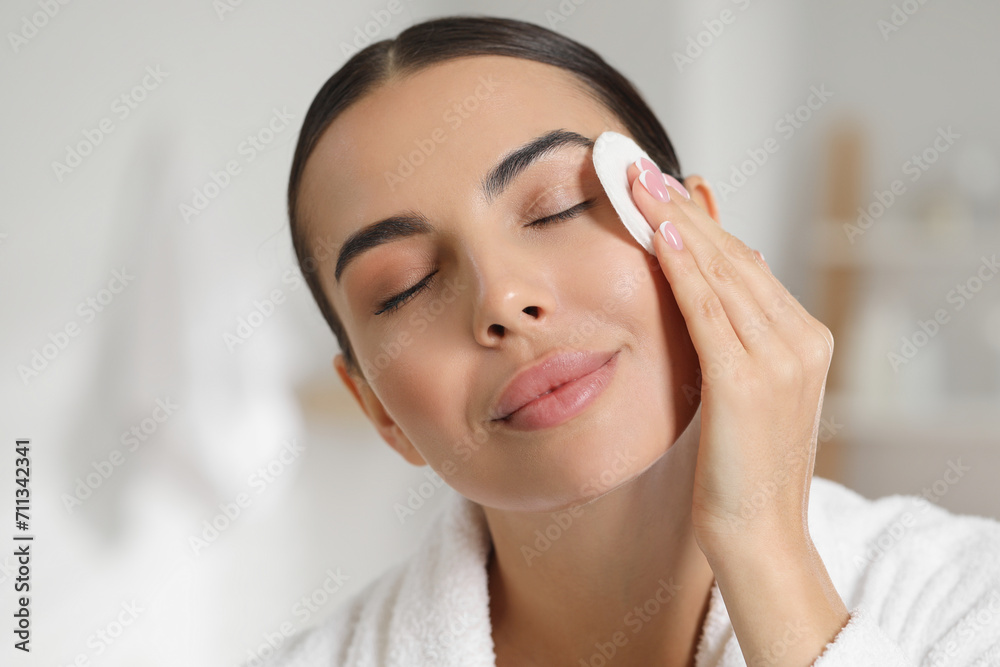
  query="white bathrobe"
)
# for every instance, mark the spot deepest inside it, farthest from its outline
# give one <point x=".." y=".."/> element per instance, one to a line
<point x="922" y="586"/>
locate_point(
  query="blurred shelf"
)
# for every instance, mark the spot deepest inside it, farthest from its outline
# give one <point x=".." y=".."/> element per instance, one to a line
<point x="897" y="243"/>
<point x="951" y="421"/>
<point x="324" y="399"/>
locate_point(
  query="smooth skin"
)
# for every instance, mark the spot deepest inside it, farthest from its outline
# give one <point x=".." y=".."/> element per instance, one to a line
<point x="647" y="476"/>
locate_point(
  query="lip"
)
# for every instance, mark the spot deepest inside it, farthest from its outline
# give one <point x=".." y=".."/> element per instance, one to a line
<point x="555" y="389"/>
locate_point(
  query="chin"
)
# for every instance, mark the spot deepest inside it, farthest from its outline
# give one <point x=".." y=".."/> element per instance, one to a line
<point x="578" y="461"/>
<point x="581" y="466"/>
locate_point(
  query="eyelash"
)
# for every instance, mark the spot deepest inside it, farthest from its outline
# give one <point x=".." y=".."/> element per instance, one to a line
<point x="393" y="303"/>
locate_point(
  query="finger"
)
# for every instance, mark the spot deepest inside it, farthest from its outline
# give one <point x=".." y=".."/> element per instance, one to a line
<point x="798" y="326"/>
<point x="710" y="328"/>
<point x="760" y="260"/>
<point x="770" y="292"/>
<point x="720" y="275"/>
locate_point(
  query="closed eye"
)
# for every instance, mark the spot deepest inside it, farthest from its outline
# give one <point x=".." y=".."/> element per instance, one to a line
<point x="394" y="302"/>
<point x="565" y="215"/>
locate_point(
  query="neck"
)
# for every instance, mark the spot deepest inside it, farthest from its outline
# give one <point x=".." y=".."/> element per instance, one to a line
<point x="622" y="573"/>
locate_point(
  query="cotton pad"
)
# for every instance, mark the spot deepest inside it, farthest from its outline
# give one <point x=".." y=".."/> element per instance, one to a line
<point x="613" y="153"/>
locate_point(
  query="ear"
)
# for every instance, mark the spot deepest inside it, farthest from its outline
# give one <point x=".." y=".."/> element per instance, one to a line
<point x="701" y="193"/>
<point x="376" y="413"/>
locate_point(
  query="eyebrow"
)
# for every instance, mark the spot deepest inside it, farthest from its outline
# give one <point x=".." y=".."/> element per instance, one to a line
<point x="493" y="185"/>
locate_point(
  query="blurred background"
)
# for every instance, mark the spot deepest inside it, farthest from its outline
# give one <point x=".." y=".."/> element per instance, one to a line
<point x="202" y="484"/>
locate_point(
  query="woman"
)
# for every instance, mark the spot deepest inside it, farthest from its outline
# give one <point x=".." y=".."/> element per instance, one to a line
<point x="631" y="436"/>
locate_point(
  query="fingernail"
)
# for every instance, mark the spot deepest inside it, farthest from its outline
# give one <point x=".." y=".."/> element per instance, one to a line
<point x="654" y="186"/>
<point x="644" y="164"/>
<point x="763" y="261"/>
<point x="676" y="185"/>
<point x="670" y="233"/>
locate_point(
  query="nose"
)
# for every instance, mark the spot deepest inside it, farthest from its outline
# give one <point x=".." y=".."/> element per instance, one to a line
<point x="514" y="294"/>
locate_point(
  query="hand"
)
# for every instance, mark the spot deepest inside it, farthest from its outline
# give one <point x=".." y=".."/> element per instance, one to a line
<point x="764" y="361"/>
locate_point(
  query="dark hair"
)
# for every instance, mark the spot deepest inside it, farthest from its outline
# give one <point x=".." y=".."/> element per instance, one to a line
<point x="438" y="40"/>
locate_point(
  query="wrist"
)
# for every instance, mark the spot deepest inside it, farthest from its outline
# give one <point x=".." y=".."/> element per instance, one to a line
<point x="766" y="560"/>
<point x="760" y="541"/>
<point x="779" y="593"/>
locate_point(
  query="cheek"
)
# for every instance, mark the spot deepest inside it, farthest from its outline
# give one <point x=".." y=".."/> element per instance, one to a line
<point x="632" y="287"/>
<point x="423" y="388"/>
<point x="412" y="381"/>
<point x="671" y="346"/>
<point x="646" y="307"/>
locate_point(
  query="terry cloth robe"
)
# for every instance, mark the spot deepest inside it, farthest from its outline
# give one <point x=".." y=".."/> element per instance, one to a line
<point x="922" y="586"/>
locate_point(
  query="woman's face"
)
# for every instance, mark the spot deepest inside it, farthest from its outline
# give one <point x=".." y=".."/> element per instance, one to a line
<point x="503" y="294"/>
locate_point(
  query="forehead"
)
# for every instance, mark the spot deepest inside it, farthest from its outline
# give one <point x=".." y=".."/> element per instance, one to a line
<point x="424" y="142"/>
